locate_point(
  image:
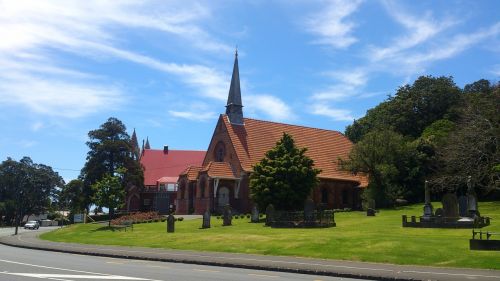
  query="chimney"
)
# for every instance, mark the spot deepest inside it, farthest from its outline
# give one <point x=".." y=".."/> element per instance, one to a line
<point x="165" y="149"/>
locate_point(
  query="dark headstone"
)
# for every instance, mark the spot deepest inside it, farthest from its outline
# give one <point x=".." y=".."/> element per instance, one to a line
<point x="170" y="223"/>
<point x="309" y="208"/>
<point x="269" y="214"/>
<point x="255" y="214"/>
<point x="462" y="206"/>
<point x="206" y="219"/>
<point x="439" y="212"/>
<point x="371" y="204"/>
<point x="370" y="212"/>
<point x="227" y="216"/>
<point x="450" y="205"/>
<point x="471" y="199"/>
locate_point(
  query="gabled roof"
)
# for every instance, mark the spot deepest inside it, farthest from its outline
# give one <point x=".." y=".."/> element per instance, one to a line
<point x="167" y="179"/>
<point x="219" y="170"/>
<point x="191" y="172"/>
<point x="158" y="164"/>
<point x="256" y="137"/>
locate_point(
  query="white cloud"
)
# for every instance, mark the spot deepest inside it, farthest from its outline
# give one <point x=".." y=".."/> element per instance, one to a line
<point x="271" y="106"/>
<point x="347" y="84"/>
<point x="56" y="97"/>
<point x="332" y="113"/>
<point x="331" y="25"/>
<point x="36" y="126"/>
<point x="419" y="28"/>
<point x="194" y="115"/>
<point x="454" y="46"/>
<point x="194" y="111"/>
<point x="32" y="30"/>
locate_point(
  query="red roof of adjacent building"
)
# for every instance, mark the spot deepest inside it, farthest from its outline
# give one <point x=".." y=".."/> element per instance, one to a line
<point x="253" y="139"/>
<point x="158" y="164"/>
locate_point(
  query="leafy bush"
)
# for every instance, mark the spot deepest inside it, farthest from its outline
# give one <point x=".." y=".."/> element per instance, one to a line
<point x="138" y="217"/>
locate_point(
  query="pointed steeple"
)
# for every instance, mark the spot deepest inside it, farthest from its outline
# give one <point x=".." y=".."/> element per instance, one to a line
<point x="135" y="145"/>
<point x="234" y="107"/>
<point x="147" y="144"/>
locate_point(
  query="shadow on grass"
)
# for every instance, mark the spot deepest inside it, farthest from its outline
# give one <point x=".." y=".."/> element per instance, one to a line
<point x="104" y="228"/>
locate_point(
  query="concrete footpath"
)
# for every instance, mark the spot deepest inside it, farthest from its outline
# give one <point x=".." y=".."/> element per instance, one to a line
<point x="361" y="270"/>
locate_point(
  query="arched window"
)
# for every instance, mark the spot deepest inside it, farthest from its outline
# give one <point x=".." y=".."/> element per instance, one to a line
<point x="220" y="152"/>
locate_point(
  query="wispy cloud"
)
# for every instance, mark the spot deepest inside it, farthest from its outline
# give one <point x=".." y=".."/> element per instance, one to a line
<point x="419" y="29"/>
<point x="331" y="24"/>
<point x="272" y="107"/>
<point x="32" y="75"/>
<point x="332" y="113"/>
<point x="346" y="84"/>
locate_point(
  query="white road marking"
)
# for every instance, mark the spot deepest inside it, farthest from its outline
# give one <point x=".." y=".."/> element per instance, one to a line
<point x="262" y="275"/>
<point x="76" y="276"/>
<point x="452" y="274"/>
<point x="101" y="276"/>
<point x="277" y="261"/>
<point x="205" y="270"/>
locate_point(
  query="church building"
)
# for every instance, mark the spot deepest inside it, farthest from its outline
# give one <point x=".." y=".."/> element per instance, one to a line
<point x="238" y="143"/>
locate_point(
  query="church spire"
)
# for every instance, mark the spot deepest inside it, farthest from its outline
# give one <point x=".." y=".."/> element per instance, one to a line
<point x="135" y="145"/>
<point x="147" y="146"/>
<point x="234" y="107"/>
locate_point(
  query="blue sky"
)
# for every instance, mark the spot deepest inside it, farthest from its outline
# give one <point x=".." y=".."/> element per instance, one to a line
<point x="164" y="67"/>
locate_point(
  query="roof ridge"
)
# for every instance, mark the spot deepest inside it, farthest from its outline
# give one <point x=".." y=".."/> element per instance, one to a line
<point x="292" y="125"/>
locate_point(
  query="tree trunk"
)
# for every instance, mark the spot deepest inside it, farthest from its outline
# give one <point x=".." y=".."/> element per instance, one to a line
<point x="111" y="215"/>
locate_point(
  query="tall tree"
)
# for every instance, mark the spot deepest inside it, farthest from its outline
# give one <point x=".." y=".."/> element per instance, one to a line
<point x="392" y="163"/>
<point x="28" y="186"/>
<point x="110" y="148"/>
<point x="284" y="178"/>
<point x="411" y="110"/>
<point x="72" y="196"/>
<point x="109" y="193"/>
<point x="473" y="149"/>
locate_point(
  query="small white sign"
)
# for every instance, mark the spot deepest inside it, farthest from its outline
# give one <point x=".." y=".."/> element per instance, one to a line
<point x="78" y="218"/>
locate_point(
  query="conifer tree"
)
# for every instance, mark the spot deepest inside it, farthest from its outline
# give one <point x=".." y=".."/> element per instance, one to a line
<point x="284" y="178"/>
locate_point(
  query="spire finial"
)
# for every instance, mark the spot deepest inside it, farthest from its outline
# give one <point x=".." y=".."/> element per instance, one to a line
<point x="236" y="53"/>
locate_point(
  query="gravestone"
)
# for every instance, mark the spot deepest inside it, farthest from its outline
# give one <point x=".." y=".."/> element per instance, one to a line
<point x="206" y="219"/>
<point x="439" y="212"/>
<point x="370" y="210"/>
<point x="170" y="223"/>
<point x="269" y="214"/>
<point x="255" y="214"/>
<point x="428" y="209"/>
<point x="450" y="205"/>
<point x="471" y="199"/>
<point x="309" y="208"/>
<point x="462" y="206"/>
<point x="227" y="216"/>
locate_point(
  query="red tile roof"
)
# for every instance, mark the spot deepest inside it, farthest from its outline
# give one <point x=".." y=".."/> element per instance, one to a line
<point x="191" y="172"/>
<point x="256" y="137"/>
<point x="219" y="170"/>
<point x="158" y="164"/>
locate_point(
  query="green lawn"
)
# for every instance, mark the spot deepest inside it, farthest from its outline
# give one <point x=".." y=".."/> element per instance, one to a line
<point x="356" y="237"/>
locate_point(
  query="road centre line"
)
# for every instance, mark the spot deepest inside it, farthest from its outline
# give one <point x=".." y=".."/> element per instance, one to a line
<point x="286" y="262"/>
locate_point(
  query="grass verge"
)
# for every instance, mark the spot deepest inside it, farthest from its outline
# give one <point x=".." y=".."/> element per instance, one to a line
<point x="356" y="237"/>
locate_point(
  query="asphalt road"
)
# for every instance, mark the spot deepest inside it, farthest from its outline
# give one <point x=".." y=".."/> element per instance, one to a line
<point x="4" y="231"/>
<point x="24" y="264"/>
